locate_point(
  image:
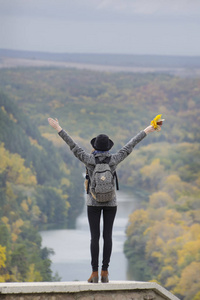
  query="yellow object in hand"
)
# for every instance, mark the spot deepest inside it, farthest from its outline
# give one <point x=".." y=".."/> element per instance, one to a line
<point x="157" y="122"/>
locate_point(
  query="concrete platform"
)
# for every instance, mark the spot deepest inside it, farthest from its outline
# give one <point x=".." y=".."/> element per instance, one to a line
<point x="154" y="290"/>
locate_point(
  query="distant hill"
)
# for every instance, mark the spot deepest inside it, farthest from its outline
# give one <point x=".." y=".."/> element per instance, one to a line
<point x="125" y="60"/>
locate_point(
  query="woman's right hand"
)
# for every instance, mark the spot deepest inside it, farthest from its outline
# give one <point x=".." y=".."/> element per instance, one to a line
<point x="54" y="124"/>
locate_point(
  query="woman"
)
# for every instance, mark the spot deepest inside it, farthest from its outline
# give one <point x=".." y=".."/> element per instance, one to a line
<point x="101" y="144"/>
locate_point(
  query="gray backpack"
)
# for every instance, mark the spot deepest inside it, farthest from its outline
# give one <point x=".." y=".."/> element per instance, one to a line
<point x="102" y="186"/>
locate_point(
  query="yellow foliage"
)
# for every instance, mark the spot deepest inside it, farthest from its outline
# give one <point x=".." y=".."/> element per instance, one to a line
<point x="190" y="279"/>
<point x="25" y="177"/>
<point x="153" y="174"/>
<point x="189" y="252"/>
<point x="58" y="142"/>
<point x="4" y="277"/>
<point x="65" y="196"/>
<point x="10" y="115"/>
<point x="29" y="201"/>
<point x="172" y="281"/>
<point x="159" y="242"/>
<point x="3" y="109"/>
<point x="157" y="254"/>
<point x="67" y="205"/>
<point x="19" y="223"/>
<point x="12" y="118"/>
<point x="65" y="181"/>
<point x="5" y="220"/>
<point x="195" y="231"/>
<point x="33" y="275"/>
<point x="157" y="214"/>
<point x="153" y="170"/>
<point x="36" y="211"/>
<point x="24" y="206"/>
<point x="65" y="169"/>
<point x="17" y="173"/>
<point x="13" y="164"/>
<point x="169" y="269"/>
<point x="197" y="296"/>
<point x="4" y="159"/>
<point x="173" y="179"/>
<point x="174" y="186"/>
<point x="15" y="275"/>
<point x="172" y="216"/>
<point x="136" y="219"/>
<point x="194" y="216"/>
<point x="147" y="231"/>
<point x="154" y="280"/>
<point x="14" y="237"/>
<point x="160" y="199"/>
<point x="35" y="143"/>
<point x="9" y="191"/>
<point x="2" y="257"/>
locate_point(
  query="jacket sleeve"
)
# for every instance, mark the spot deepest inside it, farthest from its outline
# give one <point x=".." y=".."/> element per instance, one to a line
<point x="77" y="151"/>
<point x="128" y="148"/>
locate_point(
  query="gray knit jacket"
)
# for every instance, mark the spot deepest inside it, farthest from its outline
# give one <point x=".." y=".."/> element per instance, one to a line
<point x="89" y="159"/>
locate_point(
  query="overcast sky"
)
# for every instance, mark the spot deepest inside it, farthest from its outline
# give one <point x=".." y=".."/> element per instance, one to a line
<point x="166" y="27"/>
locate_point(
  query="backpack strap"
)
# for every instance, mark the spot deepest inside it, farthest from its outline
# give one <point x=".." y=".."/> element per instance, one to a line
<point x="87" y="177"/>
<point x="116" y="180"/>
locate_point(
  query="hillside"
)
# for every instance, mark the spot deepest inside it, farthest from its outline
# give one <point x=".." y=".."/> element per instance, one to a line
<point x="163" y="235"/>
<point x="119" y="104"/>
<point x="34" y="191"/>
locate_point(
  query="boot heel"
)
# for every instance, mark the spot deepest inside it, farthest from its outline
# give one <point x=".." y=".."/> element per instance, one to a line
<point x="104" y="279"/>
<point x="94" y="278"/>
<point x="104" y="276"/>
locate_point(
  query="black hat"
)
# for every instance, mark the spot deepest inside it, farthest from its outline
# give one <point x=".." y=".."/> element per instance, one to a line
<point x="102" y="143"/>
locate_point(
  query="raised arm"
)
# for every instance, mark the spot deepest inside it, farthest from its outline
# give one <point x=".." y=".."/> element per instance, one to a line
<point x="128" y="148"/>
<point x="77" y="151"/>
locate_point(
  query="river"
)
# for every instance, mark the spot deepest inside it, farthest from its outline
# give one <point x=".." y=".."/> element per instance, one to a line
<point x="72" y="246"/>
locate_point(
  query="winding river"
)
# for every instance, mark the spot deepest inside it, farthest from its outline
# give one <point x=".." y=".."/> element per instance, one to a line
<point x="72" y="246"/>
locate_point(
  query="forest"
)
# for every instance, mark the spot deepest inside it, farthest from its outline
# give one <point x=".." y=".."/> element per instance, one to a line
<point x="35" y="192"/>
<point x="38" y="172"/>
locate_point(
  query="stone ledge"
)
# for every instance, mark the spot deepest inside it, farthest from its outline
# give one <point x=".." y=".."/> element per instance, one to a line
<point x="81" y="286"/>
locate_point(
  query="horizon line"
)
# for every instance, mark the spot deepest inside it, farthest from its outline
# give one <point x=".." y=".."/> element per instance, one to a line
<point x="98" y="53"/>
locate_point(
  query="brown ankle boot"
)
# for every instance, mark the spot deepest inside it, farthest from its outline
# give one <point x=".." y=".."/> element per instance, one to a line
<point x="94" y="278"/>
<point x="104" y="276"/>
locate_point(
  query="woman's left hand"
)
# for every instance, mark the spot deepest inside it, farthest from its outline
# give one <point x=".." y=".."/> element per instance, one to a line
<point x="149" y="129"/>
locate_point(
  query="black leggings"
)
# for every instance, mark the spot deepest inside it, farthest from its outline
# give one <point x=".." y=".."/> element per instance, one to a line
<point x="94" y="215"/>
